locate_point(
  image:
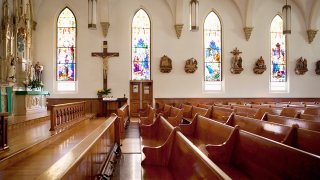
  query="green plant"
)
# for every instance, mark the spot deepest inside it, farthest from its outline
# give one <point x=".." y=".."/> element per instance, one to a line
<point x="35" y="84"/>
<point x="103" y="92"/>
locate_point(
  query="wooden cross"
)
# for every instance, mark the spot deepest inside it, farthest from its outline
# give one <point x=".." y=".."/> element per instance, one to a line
<point x="105" y="55"/>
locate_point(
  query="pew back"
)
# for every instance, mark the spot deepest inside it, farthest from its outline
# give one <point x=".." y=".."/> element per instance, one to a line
<point x="123" y="114"/>
<point x="310" y="117"/>
<point x="261" y="158"/>
<point x="221" y="114"/>
<point x="269" y="130"/>
<point x="307" y="140"/>
<point x="312" y="110"/>
<point x="261" y="111"/>
<point x="315" y="126"/>
<point x="246" y="111"/>
<point x="289" y="112"/>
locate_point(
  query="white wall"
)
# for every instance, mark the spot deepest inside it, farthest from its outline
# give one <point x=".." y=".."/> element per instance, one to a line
<point x="164" y="42"/>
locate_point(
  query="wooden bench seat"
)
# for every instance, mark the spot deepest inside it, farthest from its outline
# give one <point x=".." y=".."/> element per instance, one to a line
<point x="156" y="133"/>
<point x="304" y="124"/>
<point x="189" y="112"/>
<point x="221" y="114"/>
<point x="178" y="158"/>
<point x="201" y="131"/>
<point x="256" y="157"/>
<point x="124" y="119"/>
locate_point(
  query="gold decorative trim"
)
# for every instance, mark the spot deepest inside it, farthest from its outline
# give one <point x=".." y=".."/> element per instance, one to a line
<point x="105" y="28"/>
<point x="247" y="32"/>
<point x="178" y="28"/>
<point x="311" y="35"/>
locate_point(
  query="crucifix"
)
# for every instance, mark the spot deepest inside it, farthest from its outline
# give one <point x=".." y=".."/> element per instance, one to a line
<point x="105" y="56"/>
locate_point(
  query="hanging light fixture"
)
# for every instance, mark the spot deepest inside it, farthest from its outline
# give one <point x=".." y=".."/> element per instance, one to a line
<point x="194" y="10"/>
<point x="286" y="13"/>
<point x="92" y="14"/>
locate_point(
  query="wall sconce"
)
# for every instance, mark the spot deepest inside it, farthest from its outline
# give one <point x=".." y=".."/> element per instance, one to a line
<point x="194" y="11"/>
<point x="92" y="14"/>
<point x="286" y="13"/>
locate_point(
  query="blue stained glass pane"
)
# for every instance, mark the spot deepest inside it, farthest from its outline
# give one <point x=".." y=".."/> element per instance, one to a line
<point x="66" y="46"/>
<point x="141" y="46"/>
<point x="278" y="50"/>
<point x="212" y="45"/>
<point x="66" y="72"/>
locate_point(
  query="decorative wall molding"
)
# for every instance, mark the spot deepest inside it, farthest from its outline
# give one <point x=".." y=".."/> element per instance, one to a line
<point x="247" y="32"/>
<point x="311" y="35"/>
<point x="178" y="28"/>
<point x="105" y="28"/>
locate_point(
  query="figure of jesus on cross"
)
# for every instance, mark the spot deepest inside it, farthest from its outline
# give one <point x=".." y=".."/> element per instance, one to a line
<point x="105" y="56"/>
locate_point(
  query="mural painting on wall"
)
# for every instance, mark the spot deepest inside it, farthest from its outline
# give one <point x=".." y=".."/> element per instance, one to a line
<point x="191" y="65"/>
<point x="301" y="66"/>
<point x="318" y="67"/>
<point x="260" y="66"/>
<point x="165" y="64"/>
<point x="236" y="62"/>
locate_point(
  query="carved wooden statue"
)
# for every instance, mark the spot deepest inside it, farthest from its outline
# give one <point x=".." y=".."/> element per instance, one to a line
<point x="318" y="67"/>
<point x="236" y="63"/>
<point x="191" y="65"/>
<point x="301" y="66"/>
<point x="260" y="67"/>
<point x="165" y="64"/>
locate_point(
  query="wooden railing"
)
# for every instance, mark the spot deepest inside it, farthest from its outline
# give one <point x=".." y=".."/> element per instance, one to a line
<point x="4" y="131"/>
<point x="62" y="114"/>
<point x="92" y="158"/>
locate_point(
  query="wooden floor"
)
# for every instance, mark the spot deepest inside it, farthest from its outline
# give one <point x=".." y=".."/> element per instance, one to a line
<point x="129" y="165"/>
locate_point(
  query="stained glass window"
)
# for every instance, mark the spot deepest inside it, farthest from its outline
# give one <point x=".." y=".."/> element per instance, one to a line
<point x="278" y="51"/>
<point x="66" y="46"/>
<point x="140" y="68"/>
<point x="212" y="45"/>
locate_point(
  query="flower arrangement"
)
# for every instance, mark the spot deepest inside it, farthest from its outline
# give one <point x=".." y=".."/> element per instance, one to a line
<point x="102" y="92"/>
<point x="35" y="84"/>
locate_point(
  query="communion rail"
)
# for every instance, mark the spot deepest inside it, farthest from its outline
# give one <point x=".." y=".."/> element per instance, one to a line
<point x="66" y="114"/>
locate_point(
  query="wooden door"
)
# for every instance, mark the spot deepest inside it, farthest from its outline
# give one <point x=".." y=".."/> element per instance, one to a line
<point x="141" y="94"/>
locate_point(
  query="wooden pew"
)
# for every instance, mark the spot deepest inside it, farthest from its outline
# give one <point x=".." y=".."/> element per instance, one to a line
<point x="4" y="131"/>
<point x="95" y="156"/>
<point x="304" y="124"/>
<point x="156" y="133"/>
<point x="189" y="112"/>
<point x="289" y="112"/>
<point x="246" y="111"/>
<point x="124" y="119"/>
<point x="309" y="117"/>
<point x="201" y="131"/>
<point x="165" y="110"/>
<point x="175" y="116"/>
<point x="178" y="158"/>
<point x="261" y="111"/>
<point x="205" y="106"/>
<point x="221" y="114"/>
<point x="66" y="114"/>
<point x="149" y="118"/>
<point x="248" y="156"/>
<point x="266" y="129"/>
<point x="312" y="111"/>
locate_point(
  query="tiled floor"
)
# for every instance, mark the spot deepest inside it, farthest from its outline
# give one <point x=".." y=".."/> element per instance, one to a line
<point x="129" y="165"/>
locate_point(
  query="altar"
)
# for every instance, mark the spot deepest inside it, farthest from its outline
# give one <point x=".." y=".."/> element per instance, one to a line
<point x="28" y="102"/>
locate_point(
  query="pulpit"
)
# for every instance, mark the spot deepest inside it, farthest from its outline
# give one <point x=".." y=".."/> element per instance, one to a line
<point x="28" y="102"/>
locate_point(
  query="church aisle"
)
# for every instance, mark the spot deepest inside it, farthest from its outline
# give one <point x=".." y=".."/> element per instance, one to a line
<point x="37" y="163"/>
<point x="129" y="164"/>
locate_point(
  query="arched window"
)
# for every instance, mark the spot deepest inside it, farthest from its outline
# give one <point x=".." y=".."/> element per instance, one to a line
<point x="140" y="66"/>
<point x="212" y="53"/>
<point x="66" y="51"/>
<point x="278" y="56"/>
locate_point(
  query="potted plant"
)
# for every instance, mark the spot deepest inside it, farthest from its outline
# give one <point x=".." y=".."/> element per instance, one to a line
<point x="103" y="92"/>
<point x="35" y="84"/>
